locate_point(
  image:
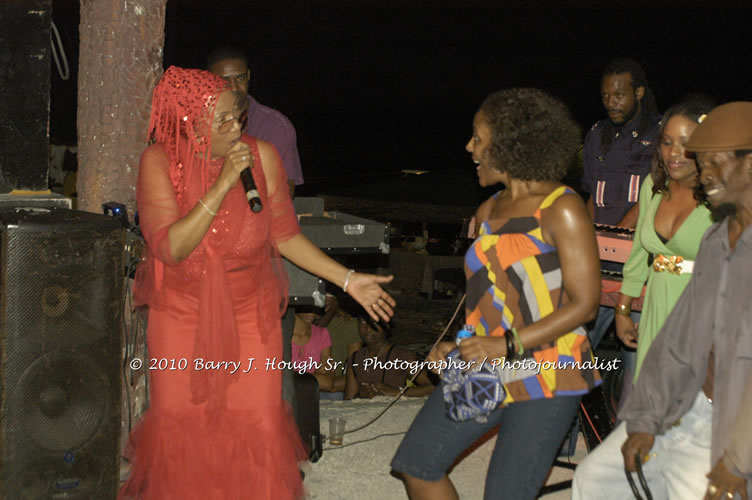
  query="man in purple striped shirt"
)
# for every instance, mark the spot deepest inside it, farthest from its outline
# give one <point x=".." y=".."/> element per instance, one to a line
<point x="263" y="122"/>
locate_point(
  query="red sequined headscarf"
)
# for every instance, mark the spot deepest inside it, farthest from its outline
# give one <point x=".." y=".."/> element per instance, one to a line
<point x="182" y="109"/>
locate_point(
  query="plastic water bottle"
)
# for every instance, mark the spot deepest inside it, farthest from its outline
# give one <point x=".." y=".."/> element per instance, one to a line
<point x="466" y="332"/>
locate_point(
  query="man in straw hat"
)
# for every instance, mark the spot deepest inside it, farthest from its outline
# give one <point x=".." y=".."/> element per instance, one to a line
<point x="707" y="338"/>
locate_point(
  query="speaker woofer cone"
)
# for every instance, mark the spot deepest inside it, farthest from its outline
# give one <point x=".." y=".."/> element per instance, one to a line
<point x="55" y="301"/>
<point x="64" y="399"/>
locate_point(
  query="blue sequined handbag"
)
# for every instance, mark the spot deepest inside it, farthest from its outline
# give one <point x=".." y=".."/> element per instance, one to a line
<point x="471" y="393"/>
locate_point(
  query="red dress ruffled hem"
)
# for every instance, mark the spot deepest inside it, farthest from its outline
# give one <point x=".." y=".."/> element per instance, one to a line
<point x="183" y="455"/>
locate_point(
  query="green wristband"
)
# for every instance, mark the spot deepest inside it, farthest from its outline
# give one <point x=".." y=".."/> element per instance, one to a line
<point x="521" y="349"/>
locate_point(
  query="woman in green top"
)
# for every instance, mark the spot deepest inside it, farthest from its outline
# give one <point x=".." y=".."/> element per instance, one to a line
<point x="672" y="219"/>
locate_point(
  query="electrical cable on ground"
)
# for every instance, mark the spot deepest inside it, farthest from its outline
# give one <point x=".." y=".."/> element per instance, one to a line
<point x="402" y="391"/>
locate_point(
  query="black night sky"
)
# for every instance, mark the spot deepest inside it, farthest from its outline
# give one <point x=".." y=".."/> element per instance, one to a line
<point x="372" y="91"/>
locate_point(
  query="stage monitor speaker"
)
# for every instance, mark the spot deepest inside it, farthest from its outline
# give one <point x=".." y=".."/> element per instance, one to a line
<point x="61" y="289"/>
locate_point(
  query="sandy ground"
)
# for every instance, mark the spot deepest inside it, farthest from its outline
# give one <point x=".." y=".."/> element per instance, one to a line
<point x="360" y="468"/>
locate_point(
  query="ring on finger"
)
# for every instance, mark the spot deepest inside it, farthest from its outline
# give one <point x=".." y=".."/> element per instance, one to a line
<point x="729" y="494"/>
<point x="712" y="489"/>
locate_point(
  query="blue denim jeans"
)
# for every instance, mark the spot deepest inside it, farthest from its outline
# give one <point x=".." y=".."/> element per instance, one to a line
<point x="530" y="435"/>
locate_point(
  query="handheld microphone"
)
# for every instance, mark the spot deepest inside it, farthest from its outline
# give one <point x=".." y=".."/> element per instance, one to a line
<point x="251" y="193"/>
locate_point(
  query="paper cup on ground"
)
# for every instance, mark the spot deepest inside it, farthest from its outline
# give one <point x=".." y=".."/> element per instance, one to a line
<point x="336" y="430"/>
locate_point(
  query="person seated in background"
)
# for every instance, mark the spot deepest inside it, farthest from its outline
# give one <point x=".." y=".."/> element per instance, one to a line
<point x="312" y="349"/>
<point x="343" y="331"/>
<point x="381" y="368"/>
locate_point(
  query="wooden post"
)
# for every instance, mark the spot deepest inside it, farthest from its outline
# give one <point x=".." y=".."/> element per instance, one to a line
<point x="120" y="62"/>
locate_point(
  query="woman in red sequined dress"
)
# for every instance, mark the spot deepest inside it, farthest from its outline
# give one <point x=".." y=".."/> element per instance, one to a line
<point x="217" y="427"/>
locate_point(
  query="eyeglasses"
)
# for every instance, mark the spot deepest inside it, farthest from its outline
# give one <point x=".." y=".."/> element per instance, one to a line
<point x="227" y="125"/>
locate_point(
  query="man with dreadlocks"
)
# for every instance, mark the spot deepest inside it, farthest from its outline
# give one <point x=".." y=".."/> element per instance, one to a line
<point x="617" y="150"/>
<point x="616" y="159"/>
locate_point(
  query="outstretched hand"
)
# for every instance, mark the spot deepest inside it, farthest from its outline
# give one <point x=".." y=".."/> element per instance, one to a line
<point x="366" y="290"/>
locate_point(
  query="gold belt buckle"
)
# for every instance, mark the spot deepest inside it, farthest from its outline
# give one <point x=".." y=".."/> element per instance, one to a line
<point x="671" y="264"/>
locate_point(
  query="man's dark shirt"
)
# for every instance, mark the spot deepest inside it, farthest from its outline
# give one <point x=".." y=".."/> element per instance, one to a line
<point x="613" y="179"/>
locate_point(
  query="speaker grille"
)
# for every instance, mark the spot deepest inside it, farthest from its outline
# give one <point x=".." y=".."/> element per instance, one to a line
<point x="64" y="400"/>
<point x="61" y="285"/>
<point x="67" y="298"/>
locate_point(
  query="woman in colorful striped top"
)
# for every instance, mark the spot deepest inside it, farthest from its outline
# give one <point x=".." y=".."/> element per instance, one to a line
<point x="533" y="280"/>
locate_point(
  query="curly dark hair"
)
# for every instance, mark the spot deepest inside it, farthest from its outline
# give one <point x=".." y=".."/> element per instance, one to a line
<point x="691" y="107"/>
<point x="534" y="138"/>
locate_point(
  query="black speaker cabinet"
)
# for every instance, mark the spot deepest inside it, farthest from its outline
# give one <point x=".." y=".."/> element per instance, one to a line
<point x="25" y="98"/>
<point x="61" y="289"/>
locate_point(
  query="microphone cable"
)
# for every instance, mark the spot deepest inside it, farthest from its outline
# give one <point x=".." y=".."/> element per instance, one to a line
<point x="402" y="391"/>
<point x="641" y="478"/>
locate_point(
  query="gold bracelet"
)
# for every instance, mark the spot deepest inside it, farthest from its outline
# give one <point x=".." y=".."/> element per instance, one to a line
<point x="213" y="214"/>
<point x="623" y="309"/>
